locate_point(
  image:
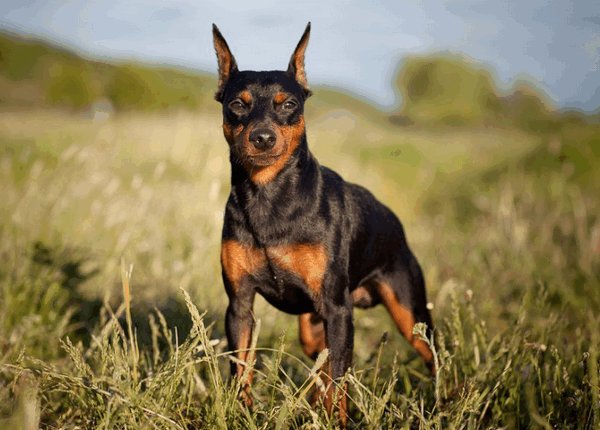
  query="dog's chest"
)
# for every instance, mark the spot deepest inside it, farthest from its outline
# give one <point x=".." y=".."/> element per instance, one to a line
<point x="282" y="273"/>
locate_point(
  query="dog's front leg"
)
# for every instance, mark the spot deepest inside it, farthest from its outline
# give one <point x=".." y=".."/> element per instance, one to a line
<point x="239" y="322"/>
<point x="339" y="333"/>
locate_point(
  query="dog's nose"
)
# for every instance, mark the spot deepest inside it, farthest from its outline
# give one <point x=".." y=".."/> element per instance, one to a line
<point x="263" y="138"/>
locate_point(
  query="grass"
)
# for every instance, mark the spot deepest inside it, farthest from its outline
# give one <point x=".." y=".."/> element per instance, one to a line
<point x="111" y="303"/>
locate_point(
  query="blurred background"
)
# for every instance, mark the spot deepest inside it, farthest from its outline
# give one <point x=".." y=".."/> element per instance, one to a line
<point x="477" y="122"/>
<point x="554" y="44"/>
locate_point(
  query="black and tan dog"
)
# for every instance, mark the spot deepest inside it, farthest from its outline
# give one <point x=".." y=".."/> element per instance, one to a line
<point x="295" y="232"/>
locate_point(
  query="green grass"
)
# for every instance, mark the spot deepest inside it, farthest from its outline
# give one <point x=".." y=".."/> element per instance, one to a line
<point x="505" y="224"/>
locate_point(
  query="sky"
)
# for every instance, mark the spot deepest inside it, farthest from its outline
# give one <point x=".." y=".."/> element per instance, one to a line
<point x="356" y="45"/>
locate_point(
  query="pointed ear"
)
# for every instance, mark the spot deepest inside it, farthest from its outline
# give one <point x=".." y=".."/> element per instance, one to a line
<point x="227" y="64"/>
<point x="296" y="67"/>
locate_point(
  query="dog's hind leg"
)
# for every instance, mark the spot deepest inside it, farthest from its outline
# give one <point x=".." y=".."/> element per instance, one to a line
<point x="402" y="292"/>
<point x="312" y="339"/>
<point x="311" y="334"/>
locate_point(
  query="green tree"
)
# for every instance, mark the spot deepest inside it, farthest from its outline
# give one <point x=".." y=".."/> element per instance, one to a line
<point x="446" y="89"/>
<point x="71" y="84"/>
<point x="129" y="88"/>
<point x="528" y="108"/>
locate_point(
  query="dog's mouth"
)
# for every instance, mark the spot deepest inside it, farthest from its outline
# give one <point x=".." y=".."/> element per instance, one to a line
<point x="262" y="160"/>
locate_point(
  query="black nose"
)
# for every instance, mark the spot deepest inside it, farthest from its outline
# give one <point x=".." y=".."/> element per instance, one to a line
<point x="263" y="138"/>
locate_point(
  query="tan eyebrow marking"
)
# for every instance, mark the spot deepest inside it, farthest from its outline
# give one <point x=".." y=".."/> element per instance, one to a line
<point x="246" y="97"/>
<point x="280" y="98"/>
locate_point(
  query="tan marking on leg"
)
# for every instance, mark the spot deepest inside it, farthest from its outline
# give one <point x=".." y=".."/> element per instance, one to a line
<point x="343" y="406"/>
<point x="312" y="339"/>
<point x="405" y="321"/>
<point x="364" y="296"/>
<point x="333" y="393"/>
<point x="308" y="261"/>
<point x="329" y="392"/>
<point x="246" y="357"/>
<point x="239" y="260"/>
<point x="312" y="334"/>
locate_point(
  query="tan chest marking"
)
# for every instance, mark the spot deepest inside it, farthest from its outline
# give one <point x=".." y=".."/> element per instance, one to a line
<point x="239" y="260"/>
<point x="308" y="261"/>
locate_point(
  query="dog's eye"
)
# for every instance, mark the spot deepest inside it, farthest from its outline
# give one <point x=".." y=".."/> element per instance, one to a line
<point x="237" y="105"/>
<point x="289" y="105"/>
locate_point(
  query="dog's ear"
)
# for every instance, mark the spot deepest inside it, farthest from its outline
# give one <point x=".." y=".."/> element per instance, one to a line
<point x="296" y="67"/>
<point x="227" y="64"/>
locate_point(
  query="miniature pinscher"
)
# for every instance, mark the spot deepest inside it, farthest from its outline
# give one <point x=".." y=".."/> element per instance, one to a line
<point x="295" y="232"/>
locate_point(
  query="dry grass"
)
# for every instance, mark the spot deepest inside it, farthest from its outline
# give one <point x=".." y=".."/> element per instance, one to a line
<point x="510" y="255"/>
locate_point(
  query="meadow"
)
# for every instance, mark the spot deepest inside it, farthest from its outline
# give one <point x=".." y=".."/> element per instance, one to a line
<point x="111" y="299"/>
<point x="111" y="302"/>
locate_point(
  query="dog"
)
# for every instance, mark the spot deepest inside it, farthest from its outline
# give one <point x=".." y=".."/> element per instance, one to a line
<point x="295" y="232"/>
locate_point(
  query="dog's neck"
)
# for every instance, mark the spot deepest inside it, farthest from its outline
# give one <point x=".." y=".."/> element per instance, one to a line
<point x="270" y="210"/>
<point x="300" y="165"/>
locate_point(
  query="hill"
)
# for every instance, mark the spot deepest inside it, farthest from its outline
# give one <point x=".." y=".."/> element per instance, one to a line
<point x="37" y="73"/>
<point x="453" y="90"/>
<point x="435" y="90"/>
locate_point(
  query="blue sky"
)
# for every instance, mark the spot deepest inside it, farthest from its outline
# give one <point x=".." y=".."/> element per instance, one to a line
<point x="354" y="44"/>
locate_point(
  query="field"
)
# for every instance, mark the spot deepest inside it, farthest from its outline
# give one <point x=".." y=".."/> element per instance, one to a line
<point x="111" y="302"/>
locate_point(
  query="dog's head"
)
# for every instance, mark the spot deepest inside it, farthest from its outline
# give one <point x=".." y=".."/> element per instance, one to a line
<point x="263" y="112"/>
